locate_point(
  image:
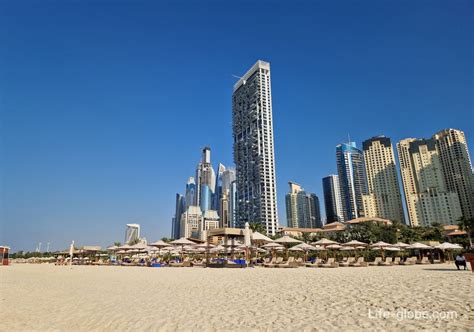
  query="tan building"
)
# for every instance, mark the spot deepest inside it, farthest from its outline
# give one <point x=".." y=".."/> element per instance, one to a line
<point x="427" y="196"/>
<point x="457" y="167"/>
<point x="384" y="199"/>
<point x="191" y="222"/>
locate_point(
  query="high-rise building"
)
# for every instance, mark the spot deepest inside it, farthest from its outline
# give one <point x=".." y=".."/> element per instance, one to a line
<point x="190" y="195"/>
<point x="180" y="207"/>
<point x="210" y="221"/>
<point x="383" y="199"/>
<point x="252" y="124"/>
<point x="226" y="201"/>
<point x="218" y="189"/>
<point x="352" y="179"/>
<point x="302" y="209"/>
<point x="332" y="199"/>
<point x="132" y="233"/>
<point x="191" y="222"/>
<point x="205" y="181"/>
<point x="457" y="167"/>
<point x="427" y="197"/>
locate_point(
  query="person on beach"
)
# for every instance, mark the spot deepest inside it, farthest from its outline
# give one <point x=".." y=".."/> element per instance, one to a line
<point x="460" y="261"/>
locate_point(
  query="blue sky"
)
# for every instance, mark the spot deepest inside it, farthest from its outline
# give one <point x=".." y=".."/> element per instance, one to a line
<point x="105" y="105"/>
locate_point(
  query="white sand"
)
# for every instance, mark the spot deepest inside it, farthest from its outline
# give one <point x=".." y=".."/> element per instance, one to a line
<point x="47" y="297"/>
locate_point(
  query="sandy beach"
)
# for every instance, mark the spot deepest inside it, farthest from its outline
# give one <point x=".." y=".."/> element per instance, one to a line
<point x="48" y="297"/>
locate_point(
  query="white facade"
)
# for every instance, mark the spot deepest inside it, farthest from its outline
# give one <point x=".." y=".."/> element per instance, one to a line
<point x="254" y="155"/>
<point x="191" y="222"/>
<point x="132" y="233"/>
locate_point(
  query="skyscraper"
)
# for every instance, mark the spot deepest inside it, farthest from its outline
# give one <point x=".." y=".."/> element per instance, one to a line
<point x="427" y="197"/>
<point x="302" y="209"/>
<point x="252" y="124"/>
<point x="352" y="179"/>
<point x="180" y="207"/>
<point x="332" y="199"/>
<point x="190" y="195"/>
<point x="205" y="181"/>
<point x="191" y="222"/>
<point x="457" y="167"/>
<point x="226" y="200"/>
<point x="383" y="199"/>
<point x="132" y="233"/>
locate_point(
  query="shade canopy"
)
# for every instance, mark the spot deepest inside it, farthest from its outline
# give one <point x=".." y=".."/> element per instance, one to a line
<point x="381" y="244"/>
<point x="159" y="244"/>
<point x="286" y="239"/>
<point x="346" y="248"/>
<point x="204" y="245"/>
<point x="354" y="243"/>
<point x="447" y="246"/>
<point x="272" y="245"/>
<point x="112" y="248"/>
<point x="182" y="241"/>
<point x="334" y="246"/>
<point x="259" y="237"/>
<point x="418" y="245"/>
<point x="401" y="245"/>
<point x="305" y="247"/>
<point x="295" y="248"/>
<point x="325" y="242"/>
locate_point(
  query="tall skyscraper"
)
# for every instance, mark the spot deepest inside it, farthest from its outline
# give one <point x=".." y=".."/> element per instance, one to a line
<point x="383" y="199"/>
<point x="332" y="199"/>
<point x="205" y="181"/>
<point x="180" y="207"/>
<point x="457" y="167"/>
<point x="352" y="179"/>
<point x="132" y="233"/>
<point x="252" y="124"/>
<point x="302" y="209"/>
<point x="427" y="197"/>
<point x="190" y="195"/>
<point x="226" y="199"/>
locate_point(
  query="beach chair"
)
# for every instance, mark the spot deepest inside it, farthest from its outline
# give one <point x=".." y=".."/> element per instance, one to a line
<point x="424" y="260"/>
<point x="409" y="261"/>
<point x="299" y="261"/>
<point x="376" y="261"/>
<point x="290" y="263"/>
<point x="387" y="262"/>
<point x="347" y="262"/>
<point x="271" y="263"/>
<point x="316" y="263"/>
<point x="396" y="261"/>
<point x="330" y="263"/>
<point x="359" y="263"/>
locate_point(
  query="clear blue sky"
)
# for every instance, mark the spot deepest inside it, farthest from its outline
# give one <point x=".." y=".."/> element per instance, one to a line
<point x="105" y="105"/>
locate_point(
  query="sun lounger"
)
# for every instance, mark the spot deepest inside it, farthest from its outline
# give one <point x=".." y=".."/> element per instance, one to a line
<point x="409" y="261"/>
<point x="376" y="261"/>
<point x="347" y="262"/>
<point x="424" y="260"/>
<point x="271" y="263"/>
<point x="359" y="263"/>
<point x="290" y="263"/>
<point x="396" y="261"/>
<point x="330" y="263"/>
<point x="387" y="262"/>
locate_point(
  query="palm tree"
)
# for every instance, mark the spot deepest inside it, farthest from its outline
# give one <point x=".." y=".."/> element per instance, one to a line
<point x="467" y="225"/>
<point x="258" y="227"/>
<point x="117" y="244"/>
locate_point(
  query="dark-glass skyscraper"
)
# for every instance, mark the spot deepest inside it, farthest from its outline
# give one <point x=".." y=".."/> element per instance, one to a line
<point x="352" y="179"/>
<point x="332" y="199"/>
<point x="179" y="209"/>
<point x="252" y="124"/>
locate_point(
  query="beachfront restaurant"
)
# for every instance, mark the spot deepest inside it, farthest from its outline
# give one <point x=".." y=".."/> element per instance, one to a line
<point x="229" y="235"/>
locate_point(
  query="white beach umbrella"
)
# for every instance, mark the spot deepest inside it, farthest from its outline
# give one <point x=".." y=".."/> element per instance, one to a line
<point x="334" y="246"/>
<point x="272" y="245"/>
<point x="392" y="249"/>
<point x="418" y="245"/>
<point x="355" y="243"/>
<point x="325" y="242"/>
<point x="346" y="248"/>
<point x="295" y="248"/>
<point x="448" y="246"/>
<point x="381" y="244"/>
<point x="259" y="237"/>
<point x="287" y="240"/>
<point x="182" y="241"/>
<point x="305" y="246"/>
<point x="247" y="235"/>
<point x="401" y="245"/>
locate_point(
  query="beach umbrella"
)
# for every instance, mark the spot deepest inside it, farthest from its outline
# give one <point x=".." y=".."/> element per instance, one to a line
<point x="334" y="246"/>
<point x="401" y="245"/>
<point x="260" y="238"/>
<point x="272" y="245"/>
<point x="392" y="249"/>
<point x="182" y="241"/>
<point x="287" y="240"/>
<point x="418" y="245"/>
<point x="355" y="243"/>
<point x="381" y="244"/>
<point x="160" y="244"/>
<point x="295" y="248"/>
<point x="112" y="248"/>
<point x="325" y="242"/>
<point x="448" y="246"/>
<point x="346" y="248"/>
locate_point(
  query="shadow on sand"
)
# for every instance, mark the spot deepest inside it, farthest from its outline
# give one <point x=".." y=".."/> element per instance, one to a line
<point x="454" y="269"/>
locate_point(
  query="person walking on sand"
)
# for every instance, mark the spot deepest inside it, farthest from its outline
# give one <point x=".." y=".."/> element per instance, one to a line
<point x="460" y="261"/>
